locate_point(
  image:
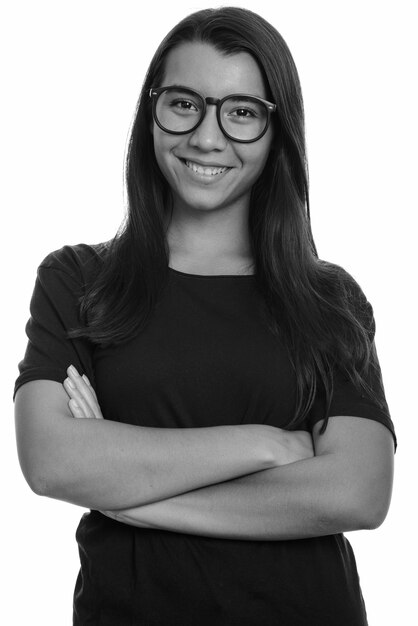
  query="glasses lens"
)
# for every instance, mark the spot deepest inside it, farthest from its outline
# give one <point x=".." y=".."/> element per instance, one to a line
<point x="178" y="110"/>
<point x="243" y="117"/>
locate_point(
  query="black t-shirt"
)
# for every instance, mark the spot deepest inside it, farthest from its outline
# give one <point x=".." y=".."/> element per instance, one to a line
<point x="206" y="358"/>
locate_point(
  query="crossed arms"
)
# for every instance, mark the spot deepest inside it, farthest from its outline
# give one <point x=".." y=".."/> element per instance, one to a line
<point x="242" y="482"/>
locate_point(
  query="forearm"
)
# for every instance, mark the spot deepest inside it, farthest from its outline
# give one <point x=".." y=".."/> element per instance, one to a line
<point x="304" y="499"/>
<point x="104" y="464"/>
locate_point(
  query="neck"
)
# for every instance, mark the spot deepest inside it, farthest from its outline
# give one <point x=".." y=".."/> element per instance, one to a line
<point x="209" y="239"/>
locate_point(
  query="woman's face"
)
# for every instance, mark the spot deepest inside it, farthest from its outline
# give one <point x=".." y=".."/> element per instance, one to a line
<point x="230" y="169"/>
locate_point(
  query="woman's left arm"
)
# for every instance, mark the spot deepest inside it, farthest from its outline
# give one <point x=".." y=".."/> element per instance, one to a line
<point x="346" y="486"/>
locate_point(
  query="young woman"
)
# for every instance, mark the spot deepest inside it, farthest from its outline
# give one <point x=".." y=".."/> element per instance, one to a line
<point x="245" y="424"/>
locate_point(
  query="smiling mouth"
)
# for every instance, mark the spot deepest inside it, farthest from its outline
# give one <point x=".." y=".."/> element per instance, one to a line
<point x="204" y="171"/>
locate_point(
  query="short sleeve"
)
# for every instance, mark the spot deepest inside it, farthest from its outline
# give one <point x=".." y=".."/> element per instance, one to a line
<point x="347" y="398"/>
<point x="54" y="311"/>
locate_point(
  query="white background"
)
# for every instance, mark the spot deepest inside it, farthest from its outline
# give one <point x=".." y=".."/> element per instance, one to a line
<point x="71" y="73"/>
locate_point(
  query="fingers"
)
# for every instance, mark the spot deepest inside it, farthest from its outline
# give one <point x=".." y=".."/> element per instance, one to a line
<point x="77" y="404"/>
<point x="80" y="390"/>
<point x="86" y="380"/>
<point x="113" y="514"/>
<point x="75" y="409"/>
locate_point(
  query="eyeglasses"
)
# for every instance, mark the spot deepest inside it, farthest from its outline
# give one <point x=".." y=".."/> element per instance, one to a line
<point x="241" y="117"/>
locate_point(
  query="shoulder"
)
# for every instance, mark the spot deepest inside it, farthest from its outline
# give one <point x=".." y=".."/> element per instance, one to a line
<point x="80" y="262"/>
<point x="348" y="293"/>
<point x="343" y="283"/>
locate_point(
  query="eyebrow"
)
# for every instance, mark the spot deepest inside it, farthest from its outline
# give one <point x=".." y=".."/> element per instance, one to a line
<point x="238" y="94"/>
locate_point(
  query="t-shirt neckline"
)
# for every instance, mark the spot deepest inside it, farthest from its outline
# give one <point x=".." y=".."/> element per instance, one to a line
<point x="209" y="276"/>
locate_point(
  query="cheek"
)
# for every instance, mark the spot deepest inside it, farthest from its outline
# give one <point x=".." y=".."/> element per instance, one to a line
<point x="161" y="149"/>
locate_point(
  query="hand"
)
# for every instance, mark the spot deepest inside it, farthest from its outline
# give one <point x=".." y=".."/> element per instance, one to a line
<point x="83" y="400"/>
<point x="291" y="445"/>
<point x="112" y="514"/>
<point x="300" y="445"/>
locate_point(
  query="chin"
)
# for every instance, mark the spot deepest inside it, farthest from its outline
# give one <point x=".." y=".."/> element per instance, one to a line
<point x="198" y="202"/>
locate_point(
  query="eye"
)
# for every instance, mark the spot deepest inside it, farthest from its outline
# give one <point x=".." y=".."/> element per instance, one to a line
<point x="180" y="101"/>
<point x="241" y="109"/>
<point x="183" y="105"/>
<point x="241" y="112"/>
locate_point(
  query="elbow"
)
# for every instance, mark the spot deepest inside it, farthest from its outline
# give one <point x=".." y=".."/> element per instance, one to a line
<point x="366" y="511"/>
<point x="29" y="467"/>
<point x="374" y="501"/>
<point x="350" y="518"/>
<point x="36" y="481"/>
<point x="40" y="477"/>
<point x="356" y="507"/>
<point x="38" y="467"/>
<point x="372" y="516"/>
<point x="59" y="483"/>
<point x="45" y="472"/>
<point x="39" y="486"/>
<point x="367" y="498"/>
<point x="52" y="486"/>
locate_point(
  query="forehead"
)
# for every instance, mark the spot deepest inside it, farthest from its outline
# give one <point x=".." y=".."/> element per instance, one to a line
<point x="203" y="68"/>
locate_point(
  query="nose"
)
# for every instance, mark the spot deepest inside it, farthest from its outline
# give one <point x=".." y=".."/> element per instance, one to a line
<point x="208" y="136"/>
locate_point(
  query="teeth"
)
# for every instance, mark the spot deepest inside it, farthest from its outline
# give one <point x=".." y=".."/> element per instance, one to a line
<point x="207" y="171"/>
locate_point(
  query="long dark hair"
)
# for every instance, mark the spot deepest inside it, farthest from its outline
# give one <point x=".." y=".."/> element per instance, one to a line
<point x="314" y="307"/>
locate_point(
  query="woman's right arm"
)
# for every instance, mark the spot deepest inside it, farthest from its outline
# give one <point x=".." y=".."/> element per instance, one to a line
<point x="101" y="464"/>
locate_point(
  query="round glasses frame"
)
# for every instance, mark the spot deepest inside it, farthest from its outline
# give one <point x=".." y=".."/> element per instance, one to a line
<point x="154" y="94"/>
